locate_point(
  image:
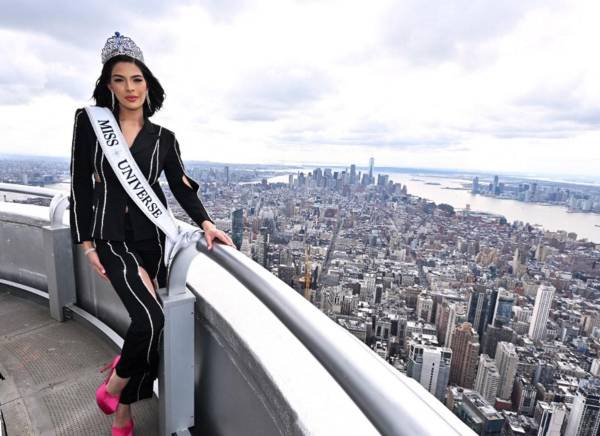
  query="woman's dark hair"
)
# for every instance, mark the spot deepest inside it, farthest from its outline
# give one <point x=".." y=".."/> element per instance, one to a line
<point x="102" y="93"/>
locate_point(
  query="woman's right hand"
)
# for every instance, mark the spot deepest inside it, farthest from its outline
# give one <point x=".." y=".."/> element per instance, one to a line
<point x="96" y="265"/>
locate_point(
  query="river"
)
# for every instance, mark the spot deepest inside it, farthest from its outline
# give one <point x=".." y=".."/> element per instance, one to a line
<point x="550" y="217"/>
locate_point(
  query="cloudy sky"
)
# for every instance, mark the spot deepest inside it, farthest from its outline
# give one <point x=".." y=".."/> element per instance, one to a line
<point x="509" y="86"/>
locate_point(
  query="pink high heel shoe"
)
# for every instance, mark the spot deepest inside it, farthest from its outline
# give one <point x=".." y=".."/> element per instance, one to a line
<point x="123" y="431"/>
<point x="107" y="402"/>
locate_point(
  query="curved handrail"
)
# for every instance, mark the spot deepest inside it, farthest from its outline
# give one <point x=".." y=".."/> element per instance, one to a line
<point x="58" y="205"/>
<point x="26" y="189"/>
<point x="388" y="401"/>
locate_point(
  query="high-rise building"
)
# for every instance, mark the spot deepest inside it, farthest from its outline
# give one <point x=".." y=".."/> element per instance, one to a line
<point x="237" y="227"/>
<point x="378" y="294"/>
<point x="482" y="305"/>
<point x="488" y="378"/>
<point x="504" y="304"/>
<point x="475" y="189"/>
<point x="493" y="334"/>
<point x="584" y="419"/>
<point x="441" y="321"/>
<point x="544" y="372"/>
<point x="465" y="352"/>
<point x="226" y="170"/>
<point x="446" y="323"/>
<point x="522" y="314"/>
<point x="367" y="292"/>
<point x="590" y="322"/>
<point x="371" y="164"/>
<point x="550" y="418"/>
<point x="454" y="318"/>
<point x="519" y="262"/>
<point x="411" y="296"/>
<point x="353" y="174"/>
<point x="541" y="309"/>
<point x="424" y="307"/>
<point x="262" y="247"/>
<point x="364" y="180"/>
<point x="430" y="366"/>
<point x="507" y="361"/>
<point x="382" y="179"/>
<point x="523" y="397"/>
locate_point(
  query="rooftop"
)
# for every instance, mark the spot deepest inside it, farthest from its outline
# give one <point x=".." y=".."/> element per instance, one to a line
<point x="51" y="372"/>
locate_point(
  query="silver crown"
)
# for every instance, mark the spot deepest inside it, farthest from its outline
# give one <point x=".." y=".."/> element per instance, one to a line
<point x="121" y="45"/>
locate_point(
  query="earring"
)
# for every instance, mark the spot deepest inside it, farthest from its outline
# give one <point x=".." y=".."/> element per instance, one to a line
<point x="148" y="101"/>
<point x="112" y="94"/>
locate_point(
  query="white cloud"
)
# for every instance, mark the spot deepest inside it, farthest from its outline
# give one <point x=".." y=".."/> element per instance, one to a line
<point x="462" y="84"/>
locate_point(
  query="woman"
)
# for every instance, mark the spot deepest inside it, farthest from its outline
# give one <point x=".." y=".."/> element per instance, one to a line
<point x="121" y="244"/>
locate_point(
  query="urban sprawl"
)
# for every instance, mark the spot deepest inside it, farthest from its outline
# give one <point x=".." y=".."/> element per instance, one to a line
<point x="498" y="320"/>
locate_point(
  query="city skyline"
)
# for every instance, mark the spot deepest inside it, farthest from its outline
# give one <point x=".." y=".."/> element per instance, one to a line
<point x="497" y="320"/>
<point x="507" y="89"/>
<point x="575" y="179"/>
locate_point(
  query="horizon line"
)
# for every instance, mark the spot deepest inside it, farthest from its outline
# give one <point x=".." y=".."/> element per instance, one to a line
<point x="594" y="180"/>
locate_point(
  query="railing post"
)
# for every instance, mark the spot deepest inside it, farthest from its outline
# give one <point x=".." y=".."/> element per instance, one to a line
<point x="176" y="372"/>
<point x="58" y="247"/>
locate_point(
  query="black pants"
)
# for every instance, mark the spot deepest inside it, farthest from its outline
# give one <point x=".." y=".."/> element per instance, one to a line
<point x="121" y="261"/>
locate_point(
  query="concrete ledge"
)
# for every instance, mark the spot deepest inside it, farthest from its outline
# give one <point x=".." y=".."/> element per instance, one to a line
<point x="255" y="372"/>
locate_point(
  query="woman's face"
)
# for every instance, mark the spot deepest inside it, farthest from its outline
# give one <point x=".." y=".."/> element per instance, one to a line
<point x="129" y="85"/>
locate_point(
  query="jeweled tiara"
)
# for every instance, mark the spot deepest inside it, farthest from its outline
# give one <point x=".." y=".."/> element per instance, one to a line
<point x="121" y="45"/>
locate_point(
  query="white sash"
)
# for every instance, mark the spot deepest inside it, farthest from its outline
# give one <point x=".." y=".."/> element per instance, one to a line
<point x="134" y="182"/>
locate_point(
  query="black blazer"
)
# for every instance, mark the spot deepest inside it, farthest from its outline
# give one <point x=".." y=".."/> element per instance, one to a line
<point x="98" y="202"/>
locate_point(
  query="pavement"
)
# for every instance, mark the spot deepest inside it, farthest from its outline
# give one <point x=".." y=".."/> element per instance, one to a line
<point x="49" y="372"/>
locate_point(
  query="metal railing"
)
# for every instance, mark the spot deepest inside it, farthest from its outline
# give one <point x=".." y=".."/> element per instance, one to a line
<point x="394" y="404"/>
<point x="58" y="204"/>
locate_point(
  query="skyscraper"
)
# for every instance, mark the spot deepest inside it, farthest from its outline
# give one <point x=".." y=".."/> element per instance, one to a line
<point x="488" y="378"/>
<point x="503" y="312"/>
<point x="482" y="305"/>
<point x="446" y="323"/>
<point x="424" y="307"/>
<point x="493" y="334"/>
<point x="237" y="227"/>
<point x="506" y="362"/>
<point x="465" y="352"/>
<point x="550" y="417"/>
<point x="430" y="366"/>
<point x="519" y="262"/>
<point x="371" y="163"/>
<point x="584" y="419"/>
<point x="541" y="309"/>
<point x="367" y="292"/>
<point x="475" y="188"/>
<point x="523" y="396"/>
